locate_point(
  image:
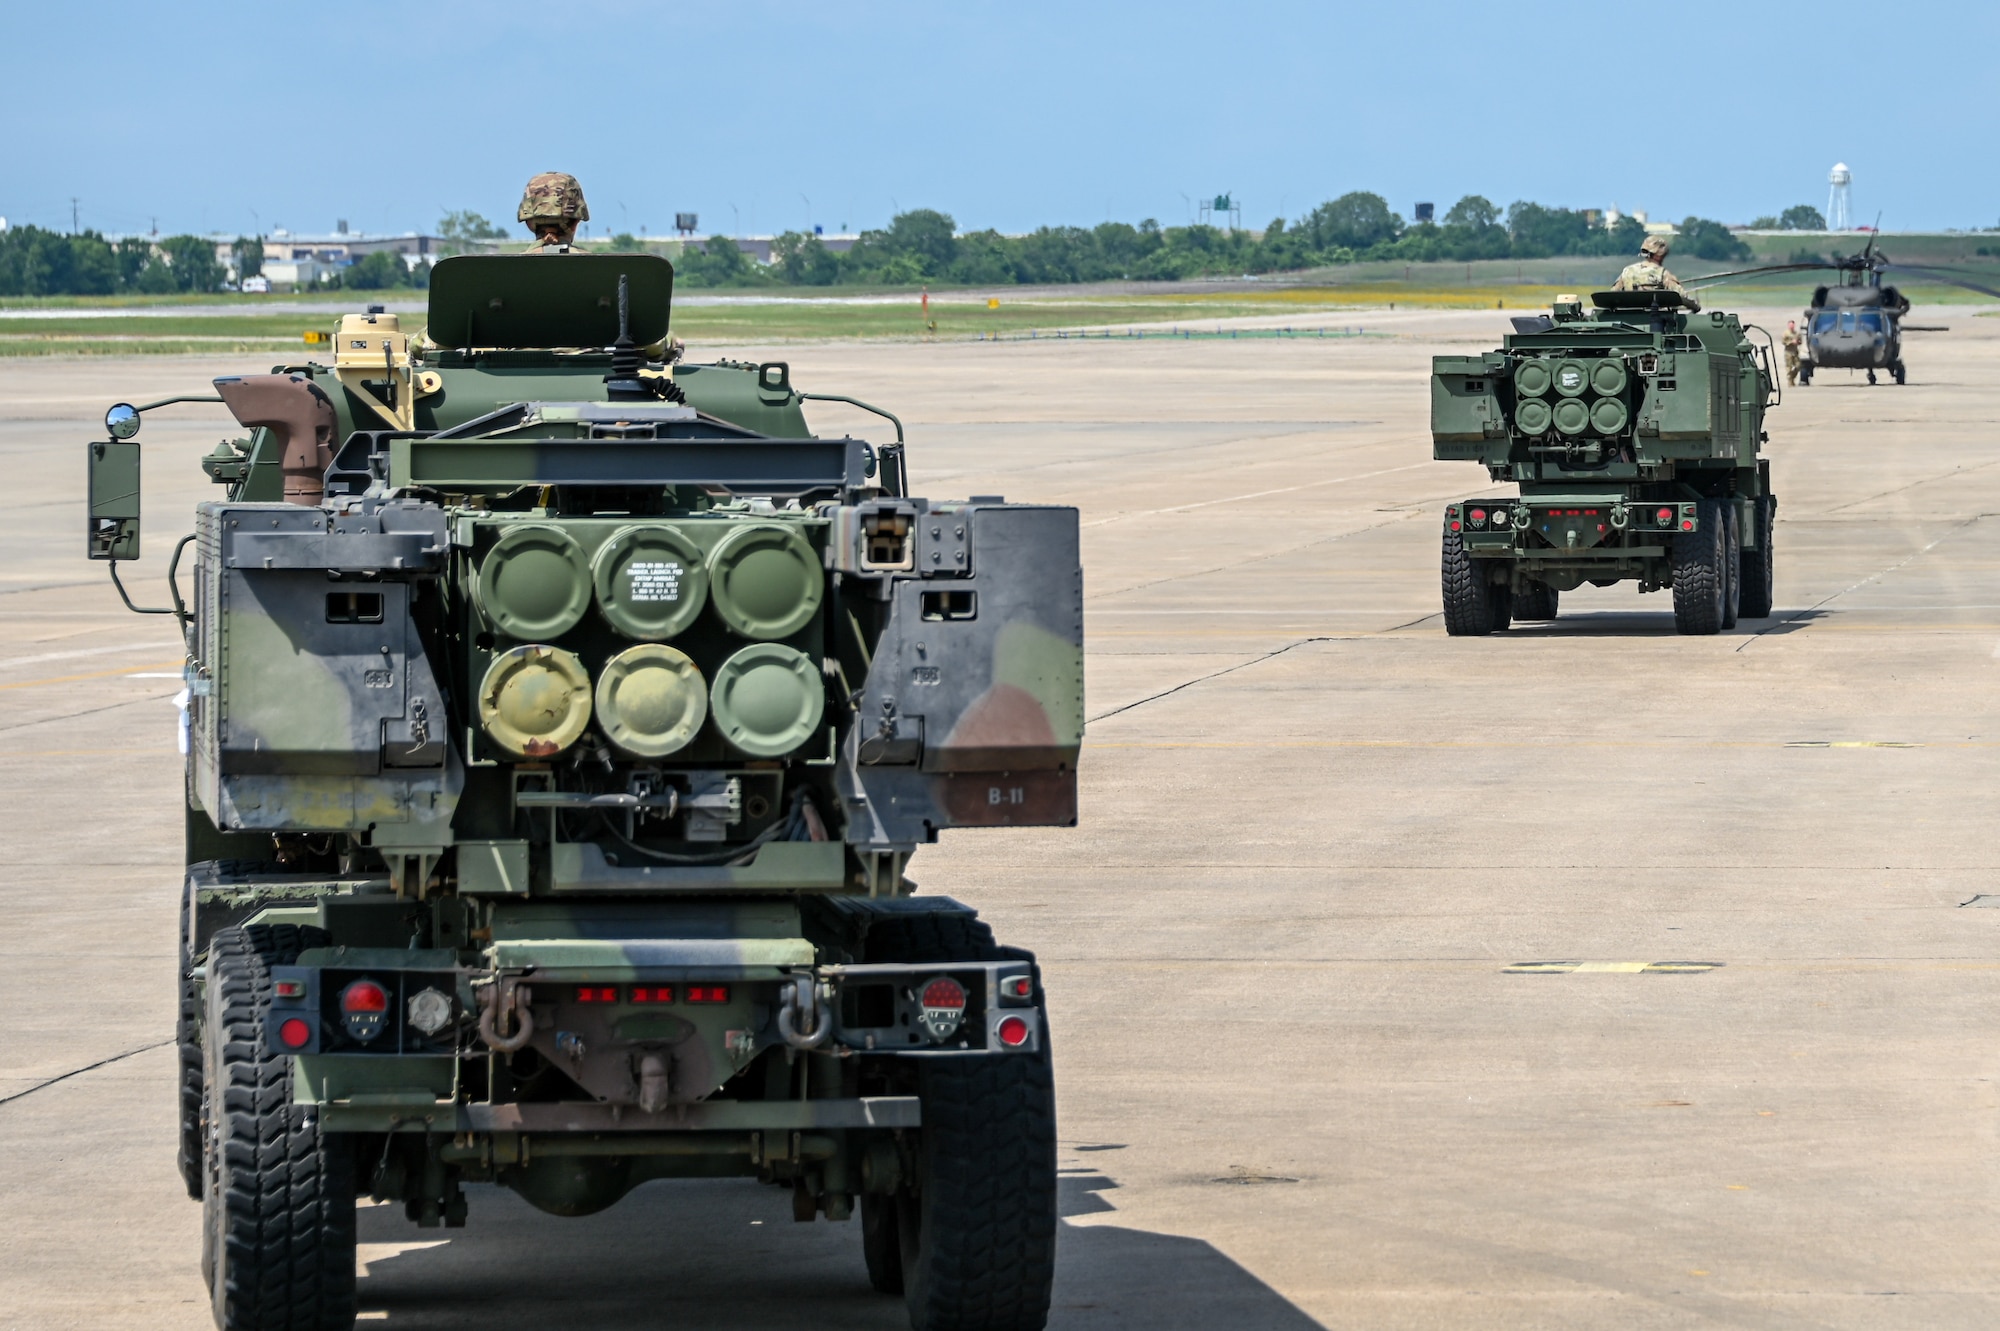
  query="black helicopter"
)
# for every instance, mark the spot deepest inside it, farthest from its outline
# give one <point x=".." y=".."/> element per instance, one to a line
<point x="1856" y="323"/>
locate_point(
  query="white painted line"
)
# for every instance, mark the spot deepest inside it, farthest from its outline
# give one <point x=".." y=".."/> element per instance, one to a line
<point x="1611" y="967"/>
<point x="10" y="662"/>
<point x="1258" y="494"/>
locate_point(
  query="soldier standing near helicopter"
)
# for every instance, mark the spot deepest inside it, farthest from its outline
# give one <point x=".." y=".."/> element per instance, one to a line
<point x="1650" y="273"/>
<point x="1791" y="342"/>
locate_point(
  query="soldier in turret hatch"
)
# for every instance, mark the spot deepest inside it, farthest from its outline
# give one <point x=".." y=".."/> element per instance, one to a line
<point x="1650" y="273"/>
<point x="552" y="205"/>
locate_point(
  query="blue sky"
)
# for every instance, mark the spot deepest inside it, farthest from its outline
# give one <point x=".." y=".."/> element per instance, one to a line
<point x="763" y="116"/>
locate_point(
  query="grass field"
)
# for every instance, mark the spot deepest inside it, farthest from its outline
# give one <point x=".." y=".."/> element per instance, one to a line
<point x="1308" y="302"/>
<point x="234" y="328"/>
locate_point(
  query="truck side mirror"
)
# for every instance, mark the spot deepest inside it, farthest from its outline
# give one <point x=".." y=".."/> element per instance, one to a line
<point x="114" y="499"/>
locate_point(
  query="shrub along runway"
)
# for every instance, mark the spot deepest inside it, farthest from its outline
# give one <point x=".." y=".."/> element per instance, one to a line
<point x="1580" y="975"/>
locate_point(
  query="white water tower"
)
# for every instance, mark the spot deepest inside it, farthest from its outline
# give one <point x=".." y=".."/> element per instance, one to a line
<point x="1838" y="181"/>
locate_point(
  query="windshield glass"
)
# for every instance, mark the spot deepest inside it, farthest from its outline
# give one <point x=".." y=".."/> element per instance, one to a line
<point x="1871" y="321"/>
<point x="1847" y="321"/>
<point x="1824" y="323"/>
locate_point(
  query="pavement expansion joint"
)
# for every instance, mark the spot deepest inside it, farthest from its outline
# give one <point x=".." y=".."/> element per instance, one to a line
<point x="1811" y="610"/>
<point x="1200" y="679"/>
<point x="88" y="1067"/>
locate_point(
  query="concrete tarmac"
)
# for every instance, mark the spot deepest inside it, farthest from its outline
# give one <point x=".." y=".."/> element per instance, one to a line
<point x="1307" y="1075"/>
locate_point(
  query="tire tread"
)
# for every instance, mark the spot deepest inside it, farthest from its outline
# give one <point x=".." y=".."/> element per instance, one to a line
<point x="1473" y="606"/>
<point x="987" y="1242"/>
<point x="1698" y="574"/>
<point x="283" y="1208"/>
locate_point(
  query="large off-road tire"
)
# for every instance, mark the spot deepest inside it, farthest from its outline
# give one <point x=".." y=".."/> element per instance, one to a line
<point x="1759" y="567"/>
<point x="187" y="1040"/>
<point x="278" y="1211"/>
<point x="1701" y="582"/>
<point x="1473" y="605"/>
<point x="188" y="1019"/>
<point x="1732" y="560"/>
<point x="881" y="1245"/>
<point x="974" y="1233"/>
<point x="1537" y="604"/>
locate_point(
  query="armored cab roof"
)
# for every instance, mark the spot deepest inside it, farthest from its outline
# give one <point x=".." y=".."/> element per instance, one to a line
<point x="533" y="302"/>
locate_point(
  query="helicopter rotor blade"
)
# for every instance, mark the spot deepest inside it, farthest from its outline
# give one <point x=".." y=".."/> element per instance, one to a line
<point x="1716" y="279"/>
<point x="1941" y="275"/>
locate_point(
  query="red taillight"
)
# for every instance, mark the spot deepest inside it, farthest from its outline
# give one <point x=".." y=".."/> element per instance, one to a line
<point x="1687" y="524"/>
<point x="1454" y="524"/>
<point x="295" y="1033"/>
<point x="289" y="988"/>
<point x="1018" y="986"/>
<point x="944" y="992"/>
<point x="364" y="1009"/>
<point x="1013" y="1032"/>
<point x="364" y="996"/>
<point x="1664" y="517"/>
<point x="597" y="993"/>
<point x="708" y="993"/>
<point x="652" y="993"/>
<point x="1478" y="515"/>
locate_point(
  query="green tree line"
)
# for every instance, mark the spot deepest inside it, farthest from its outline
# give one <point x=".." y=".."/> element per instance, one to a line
<point x="38" y="262"/>
<point x="35" y="262"/>
<point x="924" y="245"/>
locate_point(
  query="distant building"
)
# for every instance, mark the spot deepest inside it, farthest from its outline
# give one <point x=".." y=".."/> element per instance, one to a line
<point x="344" y="247"/>
<point x="295" y="274"/>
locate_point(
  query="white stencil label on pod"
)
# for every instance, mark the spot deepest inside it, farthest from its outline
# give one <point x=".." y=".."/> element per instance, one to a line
<point x="654" y="580"/>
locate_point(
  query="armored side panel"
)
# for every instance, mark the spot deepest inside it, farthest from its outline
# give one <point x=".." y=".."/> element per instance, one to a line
<point x="972" y="711"/>
<point x="315" y="706"/>
<point x="1465" y="406"/>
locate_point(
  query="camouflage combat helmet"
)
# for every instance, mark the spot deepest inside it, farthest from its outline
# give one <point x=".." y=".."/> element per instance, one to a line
<point x="1650" y="245"/>
<point x="553" y="196"/>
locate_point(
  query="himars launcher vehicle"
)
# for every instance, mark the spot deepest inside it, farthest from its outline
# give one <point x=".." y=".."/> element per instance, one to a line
<point x="560" y="724"/>
<point x="1634" y="432"/>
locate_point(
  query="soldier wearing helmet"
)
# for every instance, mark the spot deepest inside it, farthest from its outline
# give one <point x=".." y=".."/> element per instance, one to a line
<point x="552" y="205"/>
<point x="1650" y="273"/>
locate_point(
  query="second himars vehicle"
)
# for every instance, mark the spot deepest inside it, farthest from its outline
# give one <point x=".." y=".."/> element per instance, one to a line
<point x="1635" y="432"/>
<point x="560" y="723"/>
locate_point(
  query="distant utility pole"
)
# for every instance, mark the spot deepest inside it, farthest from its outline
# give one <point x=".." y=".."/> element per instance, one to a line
<point x="72" y="215"/>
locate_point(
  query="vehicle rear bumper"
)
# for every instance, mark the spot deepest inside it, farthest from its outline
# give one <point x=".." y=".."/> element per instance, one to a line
<point x="415" y="1115"/>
